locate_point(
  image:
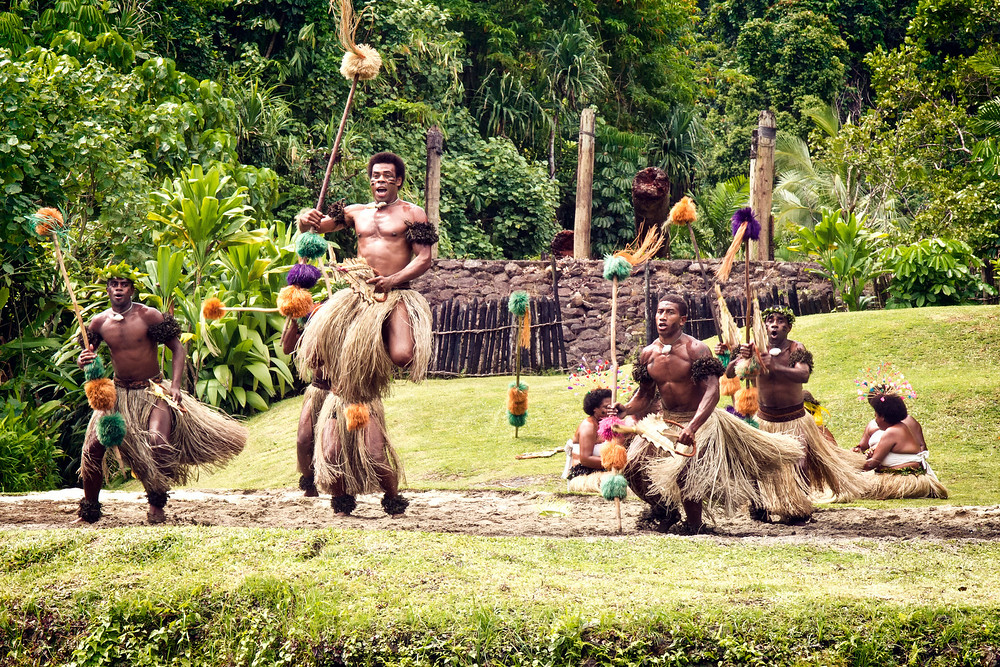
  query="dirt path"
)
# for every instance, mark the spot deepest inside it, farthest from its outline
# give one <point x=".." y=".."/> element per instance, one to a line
<point x="487" y="513"/>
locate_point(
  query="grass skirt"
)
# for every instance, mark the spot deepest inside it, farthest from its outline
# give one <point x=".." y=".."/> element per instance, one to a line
<point x="732" y="459"/>
<point x="201" y="437"/>
<point x="354" y="467"/>
<point x="828" y="466"/>
<point x="345" y="337"/>
<point x="313" y="402"/>
<point x="887" y="485"/>
<point x="590" y="483"/>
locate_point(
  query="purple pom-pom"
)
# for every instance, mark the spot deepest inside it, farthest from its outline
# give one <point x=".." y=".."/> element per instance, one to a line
<point x="745" y="214"/>
<point x="303" y="275"/>
<point x="734" y="412"/>
<point x="604" y="430"/>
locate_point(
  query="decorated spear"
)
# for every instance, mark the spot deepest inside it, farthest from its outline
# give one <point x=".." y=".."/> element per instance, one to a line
<point x="619" y="266"/>
<point x="746" y="228"/>
<point x="360" y="63"/>
<point x="517" y="394"/>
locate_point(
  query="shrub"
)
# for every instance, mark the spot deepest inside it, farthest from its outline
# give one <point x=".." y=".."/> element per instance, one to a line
<point x="933" y="272"/>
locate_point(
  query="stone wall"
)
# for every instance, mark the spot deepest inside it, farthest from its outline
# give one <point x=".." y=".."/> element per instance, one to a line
<point x="585" y="296"/>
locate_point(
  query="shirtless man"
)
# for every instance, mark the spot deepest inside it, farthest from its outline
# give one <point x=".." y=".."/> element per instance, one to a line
<point x="667" y="364"/>
<point x="133" y="332"/>
<point x="395" y="239"/>
<point x="383" y="241"/>
<point x="787" y="365"/>
<point x="730" y="457"/>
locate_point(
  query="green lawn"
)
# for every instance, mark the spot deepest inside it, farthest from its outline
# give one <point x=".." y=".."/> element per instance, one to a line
<point x="454" y="434"/>
<point x="220" y="596"/>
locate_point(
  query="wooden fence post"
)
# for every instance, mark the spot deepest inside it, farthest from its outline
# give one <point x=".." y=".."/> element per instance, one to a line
<point x="584" y="186"/>
<point x="432" y="184"/>
<point x="762" y="182"/>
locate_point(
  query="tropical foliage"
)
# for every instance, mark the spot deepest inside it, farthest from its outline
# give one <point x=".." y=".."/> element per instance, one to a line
<point x="183" y="137"/>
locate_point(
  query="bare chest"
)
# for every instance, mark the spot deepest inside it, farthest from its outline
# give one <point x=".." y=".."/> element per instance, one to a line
<point x="127" y="333"/>
<point x="373" y="224"/>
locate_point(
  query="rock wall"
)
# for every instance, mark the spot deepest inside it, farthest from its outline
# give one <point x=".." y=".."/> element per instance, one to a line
<point x="585" y="296"/>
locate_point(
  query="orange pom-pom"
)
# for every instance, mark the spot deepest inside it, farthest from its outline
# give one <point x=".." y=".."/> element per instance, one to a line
<point x="729" y="386"/>
<point x="212" y="309"/>
<point x="614" y="456"/>
<point x="683" y="212"/>
<point x="357" y="416"/>
<point x="517" y="401"/>
<point x="746" y="401"/>
<point x="100" y="394"/>
<point x="43" y="229"/>
<point x="294" y="301"/>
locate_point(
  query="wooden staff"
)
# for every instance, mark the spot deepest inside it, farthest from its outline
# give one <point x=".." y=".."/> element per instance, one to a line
<point x="614" y="373"/>
<point x="69" y="288"/>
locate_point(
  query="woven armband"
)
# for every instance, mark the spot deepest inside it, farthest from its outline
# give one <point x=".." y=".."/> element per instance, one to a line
<point x="335" y="211"/>
<point x="93" y="338"/>
<point x="165" y="331"/>
<point x="706" y="367"/>
<point x="421" y="233"/>
<point x="801" y="355"/>
<point x="640" y="373"/>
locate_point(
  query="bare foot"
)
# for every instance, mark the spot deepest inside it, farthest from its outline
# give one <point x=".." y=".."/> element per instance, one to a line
<point x="155" y="515"/>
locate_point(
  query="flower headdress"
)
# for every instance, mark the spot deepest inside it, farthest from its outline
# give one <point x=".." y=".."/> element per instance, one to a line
<point x="121" y="270"/>
<point x="784" y="311"/>
<point x="881" y="381"/>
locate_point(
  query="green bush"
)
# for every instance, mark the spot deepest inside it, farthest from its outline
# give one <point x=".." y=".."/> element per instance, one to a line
<point x="27" y="448"/>
<point x="847" y="252"/>
<point x="933" y="272"/>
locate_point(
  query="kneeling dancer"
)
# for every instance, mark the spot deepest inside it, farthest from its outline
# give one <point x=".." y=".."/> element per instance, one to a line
<point x="364" y="332"/>
<point x="731" y="457"/>
<point x="162" y="442"/>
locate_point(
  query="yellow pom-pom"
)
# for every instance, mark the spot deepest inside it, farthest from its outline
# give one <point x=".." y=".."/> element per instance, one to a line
<point x="212" y="309"/>
<point x="294" y="301"/>
<point x="100" y="394"/>
<point x="357" y="416"/>
<point x="614" y="456"/>
<point x="364" y="63"/>
<point x="517" y="401"/>
<point x="729" y="386"/>
<point x="683" y="212"/>
<point x="746" y="401"/>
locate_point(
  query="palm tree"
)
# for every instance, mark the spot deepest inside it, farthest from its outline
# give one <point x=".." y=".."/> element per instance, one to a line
<point x="676" y="150"/>
<point x="806" y="186"/>
<point x="574" y="72"/>
<point x="715" y="210"/>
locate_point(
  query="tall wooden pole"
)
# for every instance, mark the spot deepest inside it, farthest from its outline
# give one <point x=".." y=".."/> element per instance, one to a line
<point x="432" y="184"/>
<point x="762" y="182"/>
<point x="584" y="186"/>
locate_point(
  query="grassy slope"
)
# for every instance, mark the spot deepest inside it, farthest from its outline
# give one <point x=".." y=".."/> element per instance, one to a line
<point x="454" y="434"/>
<point x="248" y="596"/>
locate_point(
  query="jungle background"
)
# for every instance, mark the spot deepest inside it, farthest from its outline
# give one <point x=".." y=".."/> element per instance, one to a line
<point x="183" y="136"/>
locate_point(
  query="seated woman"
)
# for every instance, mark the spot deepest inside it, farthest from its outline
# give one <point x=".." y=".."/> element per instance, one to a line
<point x="583" y="452"/>
<point x="894" y="443"/>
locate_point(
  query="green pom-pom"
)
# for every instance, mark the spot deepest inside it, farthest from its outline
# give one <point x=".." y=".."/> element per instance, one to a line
<point x="724" y="357"/>
<point x="518" y="303"/>
<point x="616" y="267"/>
<point x="111" y="429"/>
<point x="311" y="245"/>
<point x="520" y="386"/>
<point x="94" y="370"/>
<point x="753" y="422"/>
<point x="517" y="421"/>
<point x="615" y="486"/>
